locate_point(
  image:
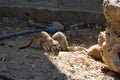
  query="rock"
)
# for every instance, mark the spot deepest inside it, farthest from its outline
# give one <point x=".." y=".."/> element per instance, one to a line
<point x="95" y="51"/>
<point x="5" y="20"/>
<point x="112" y="36"/>
<point x="2" y="44"/>
<point x="111" y="45"/>
<point x="58" y="25"/>
<point x="111" y="57"/>
<point x="112" y="12"/>
<point x="63" y="53"/>
<point x="101" y="38"/>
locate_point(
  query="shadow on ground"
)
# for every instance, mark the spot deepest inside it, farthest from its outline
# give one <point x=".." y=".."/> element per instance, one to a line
<point x="27" y="64"/>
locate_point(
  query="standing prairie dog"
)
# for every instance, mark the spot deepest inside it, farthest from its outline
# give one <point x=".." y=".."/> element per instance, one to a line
<point x="62" y="39"/>
<point x="44" y="39"/>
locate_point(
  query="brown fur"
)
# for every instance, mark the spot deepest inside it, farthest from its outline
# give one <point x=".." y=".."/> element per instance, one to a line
<point x="46" y="42"/>
<point x="62" y="39"/>
<point x="56" y="46"/>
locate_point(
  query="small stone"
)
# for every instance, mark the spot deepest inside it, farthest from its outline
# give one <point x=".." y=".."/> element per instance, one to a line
<point x="58" y="25"/>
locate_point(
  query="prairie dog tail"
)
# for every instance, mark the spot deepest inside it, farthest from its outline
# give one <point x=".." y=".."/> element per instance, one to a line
<point x="27" y="45"/>
<point x="75" y="48"/>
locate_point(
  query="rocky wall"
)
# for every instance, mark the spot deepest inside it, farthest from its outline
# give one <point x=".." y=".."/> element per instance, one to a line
<point x="52" y="10"/>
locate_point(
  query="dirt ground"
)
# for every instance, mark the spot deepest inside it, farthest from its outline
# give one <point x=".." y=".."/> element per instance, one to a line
<point x="36" y="64"/>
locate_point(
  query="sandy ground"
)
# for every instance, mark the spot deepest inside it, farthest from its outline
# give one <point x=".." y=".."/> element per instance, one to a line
<point x="36" y="64"/>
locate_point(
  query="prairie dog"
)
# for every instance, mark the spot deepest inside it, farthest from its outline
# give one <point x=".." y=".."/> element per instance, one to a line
<point x="95" y="51"/>
<point x="43" y="38"/>
<point x="62" y="39"/>
<point x="56" y="46"/>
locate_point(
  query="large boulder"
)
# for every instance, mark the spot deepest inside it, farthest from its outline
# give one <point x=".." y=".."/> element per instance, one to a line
<point x="110" y="42"/>
<point x="112" y="12"/>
